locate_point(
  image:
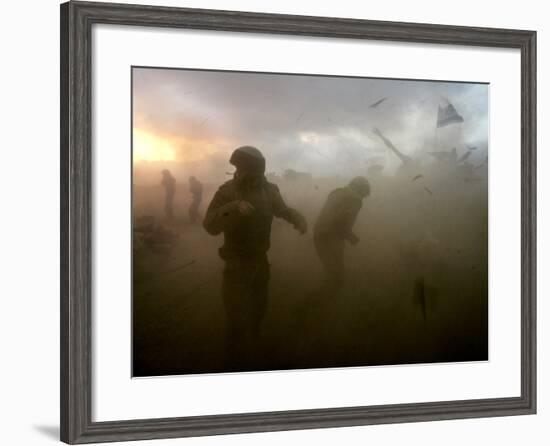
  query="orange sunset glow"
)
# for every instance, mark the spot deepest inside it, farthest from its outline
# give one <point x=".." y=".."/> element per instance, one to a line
<point x="156" y="146"/>
<point x="149" y="147"/>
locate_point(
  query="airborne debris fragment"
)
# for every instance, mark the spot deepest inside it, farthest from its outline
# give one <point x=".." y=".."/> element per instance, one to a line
<point x="404" y="158"/>
<point x="377" y="103"/>
<point x="448" y="115"/>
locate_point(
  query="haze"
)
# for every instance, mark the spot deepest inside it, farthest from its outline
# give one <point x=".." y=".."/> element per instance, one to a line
<point x="190" y="121"/>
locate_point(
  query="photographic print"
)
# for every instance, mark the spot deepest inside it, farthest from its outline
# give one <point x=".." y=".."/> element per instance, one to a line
<point x="292" y="221"/>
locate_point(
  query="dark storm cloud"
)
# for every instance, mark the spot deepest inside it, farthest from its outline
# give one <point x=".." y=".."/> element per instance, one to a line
<point x="320" y="124"/>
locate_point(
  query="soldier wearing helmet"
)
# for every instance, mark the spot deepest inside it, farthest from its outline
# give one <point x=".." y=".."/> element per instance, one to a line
<point x="334" y="227"/>
<point x="243" y="210"/>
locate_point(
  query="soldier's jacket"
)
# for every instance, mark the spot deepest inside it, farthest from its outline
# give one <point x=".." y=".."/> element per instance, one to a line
<point x="338" y="215"/>
<point x="246" y="236"/>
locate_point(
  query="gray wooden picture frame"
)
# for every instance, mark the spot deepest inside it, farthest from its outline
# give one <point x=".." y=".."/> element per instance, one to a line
<point x="77" y="19"/>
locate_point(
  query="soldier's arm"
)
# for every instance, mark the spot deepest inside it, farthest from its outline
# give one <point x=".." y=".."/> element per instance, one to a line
<point x="222" y="213"/>
<point x="349" y="215"/>
<point x="291" y="215"/>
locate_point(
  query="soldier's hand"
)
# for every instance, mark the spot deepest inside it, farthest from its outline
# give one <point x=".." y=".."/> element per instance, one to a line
<point x="245" y="208"/>
<point x="353" y="239"/>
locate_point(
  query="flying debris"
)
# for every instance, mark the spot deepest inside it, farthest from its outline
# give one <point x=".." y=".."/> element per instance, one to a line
<point x="464" y="157"/>
<point x="448" y="115"/>
<point x="300" y="116"/>
<point x="404" y="158"/>
<point x="417" y="177"/>
<point x="377" y="103"/>
<point x="428" y="190"/>
<point x="203" y="122"/>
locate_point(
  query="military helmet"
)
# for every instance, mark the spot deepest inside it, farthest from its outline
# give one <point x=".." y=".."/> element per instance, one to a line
<point x="360" y="185"/>
<point x="248" y="159"/>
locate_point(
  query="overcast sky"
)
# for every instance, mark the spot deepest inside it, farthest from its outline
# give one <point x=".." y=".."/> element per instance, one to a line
<point x="312" y="123"/>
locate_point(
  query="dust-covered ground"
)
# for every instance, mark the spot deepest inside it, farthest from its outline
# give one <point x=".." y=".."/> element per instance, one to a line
<point x="433" y="227"/>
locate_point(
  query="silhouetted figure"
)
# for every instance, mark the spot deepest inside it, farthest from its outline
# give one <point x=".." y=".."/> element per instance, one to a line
<point x="243" y="209"/>
<point x="169" y="184"/>
<point x="195" y="187"/>
<point x="334" y="227"/>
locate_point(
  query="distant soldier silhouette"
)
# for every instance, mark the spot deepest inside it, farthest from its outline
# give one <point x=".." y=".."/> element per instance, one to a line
<point x="243" y="209"/>
<point x="334" y="227"/>
<point x="195" y="187"/>
<point x="169" y="184"/>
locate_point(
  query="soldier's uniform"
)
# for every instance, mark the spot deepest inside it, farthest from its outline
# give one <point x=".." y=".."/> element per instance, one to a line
<point x="246" y="242"/>
<point x="334" y="227"/>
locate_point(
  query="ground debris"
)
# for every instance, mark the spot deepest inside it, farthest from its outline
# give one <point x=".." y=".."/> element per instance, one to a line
<point x="154" y="236"/>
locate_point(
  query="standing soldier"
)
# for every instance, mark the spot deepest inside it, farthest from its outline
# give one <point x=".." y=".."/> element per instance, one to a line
<point x="195" y="187"/>
<point x="334" y="227"/>
<point x="243" y="209"/>
<point x="169" y="184"/>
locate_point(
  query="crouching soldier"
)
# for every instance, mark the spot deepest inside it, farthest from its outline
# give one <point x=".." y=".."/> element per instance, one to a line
<point x="243" y="209"/>
<point x="334" y="227"/>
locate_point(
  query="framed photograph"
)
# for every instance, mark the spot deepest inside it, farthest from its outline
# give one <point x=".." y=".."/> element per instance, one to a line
<point x="274" y="222"/>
